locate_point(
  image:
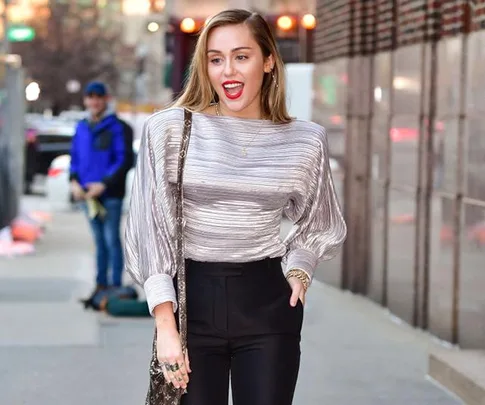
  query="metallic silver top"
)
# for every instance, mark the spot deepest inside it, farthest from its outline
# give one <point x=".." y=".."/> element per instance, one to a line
<point x="233" y="202"/>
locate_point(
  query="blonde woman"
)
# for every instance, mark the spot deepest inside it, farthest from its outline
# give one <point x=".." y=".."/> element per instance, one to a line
<point x="248" y="164"/>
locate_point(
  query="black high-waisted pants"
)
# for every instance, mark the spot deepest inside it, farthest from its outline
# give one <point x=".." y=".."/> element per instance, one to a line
<point x="240" y="322"/>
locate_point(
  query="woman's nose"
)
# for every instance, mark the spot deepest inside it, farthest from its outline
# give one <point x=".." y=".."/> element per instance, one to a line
<point x="229" y="68"/>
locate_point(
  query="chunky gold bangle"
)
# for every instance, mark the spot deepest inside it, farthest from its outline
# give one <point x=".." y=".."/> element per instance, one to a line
<point x="300" y="275"/>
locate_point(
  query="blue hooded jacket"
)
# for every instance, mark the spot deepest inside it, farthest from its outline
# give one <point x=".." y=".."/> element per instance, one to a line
<point x="102" y="152"/>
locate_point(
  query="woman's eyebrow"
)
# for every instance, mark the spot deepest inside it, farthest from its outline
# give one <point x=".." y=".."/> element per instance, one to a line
<point x="239" y="48"/>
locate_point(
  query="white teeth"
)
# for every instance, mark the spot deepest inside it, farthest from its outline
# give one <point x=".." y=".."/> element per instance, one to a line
<point x="232" y="85"/>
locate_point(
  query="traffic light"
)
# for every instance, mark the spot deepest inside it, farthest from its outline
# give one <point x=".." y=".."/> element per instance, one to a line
<point x="20" y="33"/>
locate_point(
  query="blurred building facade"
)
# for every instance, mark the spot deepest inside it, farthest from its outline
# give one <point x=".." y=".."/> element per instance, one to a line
<point x="149" y="46"/>
<point x="163" y="47"/>
<point x="68" y="34"/>
<point x="398" y="85"/>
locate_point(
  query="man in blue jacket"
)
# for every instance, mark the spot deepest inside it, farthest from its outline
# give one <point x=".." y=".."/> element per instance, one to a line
<point x="101" y="156"/>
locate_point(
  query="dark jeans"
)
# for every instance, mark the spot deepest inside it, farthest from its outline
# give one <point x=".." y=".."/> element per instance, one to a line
<point x="240" y="322"/>
<point x="106" y="233"/>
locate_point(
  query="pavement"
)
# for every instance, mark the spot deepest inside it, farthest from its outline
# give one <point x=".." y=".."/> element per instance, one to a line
<point x="53" y="352"/>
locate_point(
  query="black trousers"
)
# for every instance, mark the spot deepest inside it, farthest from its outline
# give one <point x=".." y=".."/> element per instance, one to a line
<point x="240" y="323"/>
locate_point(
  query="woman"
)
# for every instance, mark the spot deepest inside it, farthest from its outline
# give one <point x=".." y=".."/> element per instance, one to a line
<point x="248" y="164"/>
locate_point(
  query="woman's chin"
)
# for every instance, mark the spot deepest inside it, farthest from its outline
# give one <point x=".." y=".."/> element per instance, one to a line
<point x="235" y="106"/>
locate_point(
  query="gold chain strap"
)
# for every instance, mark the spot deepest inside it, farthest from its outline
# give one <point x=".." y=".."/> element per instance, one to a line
<point x="180" y="254"/>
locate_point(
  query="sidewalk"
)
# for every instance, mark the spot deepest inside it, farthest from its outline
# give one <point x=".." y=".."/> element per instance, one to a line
<point x="53" y="352"/>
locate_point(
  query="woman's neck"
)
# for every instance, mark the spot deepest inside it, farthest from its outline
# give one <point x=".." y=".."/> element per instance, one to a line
<point x="251" y="112"/>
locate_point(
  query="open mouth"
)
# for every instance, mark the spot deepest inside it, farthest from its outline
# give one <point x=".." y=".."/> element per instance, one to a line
<point x="233" y="89"/>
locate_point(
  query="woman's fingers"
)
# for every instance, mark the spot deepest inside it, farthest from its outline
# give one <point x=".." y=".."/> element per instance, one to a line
<point x="294" y="297"/>
<point x="187" y="361"/>
<point x="302" y="296"/>
<point x="296" y="289"/>
<point x="182" y="372"/>
<point x="175" y="371"/>
<point x="168" y="373"/>
<point x="170" y="367"/>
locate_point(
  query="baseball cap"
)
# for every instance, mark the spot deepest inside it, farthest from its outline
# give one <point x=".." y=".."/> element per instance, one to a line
<point x="96" y="88"/>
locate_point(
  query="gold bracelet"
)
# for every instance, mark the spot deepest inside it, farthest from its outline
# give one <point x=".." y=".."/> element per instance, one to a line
<point x="300" y="275"/>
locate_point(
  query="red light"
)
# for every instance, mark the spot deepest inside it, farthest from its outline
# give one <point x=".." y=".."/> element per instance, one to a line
<point x="404" y="134"/>
<point x="54" y="172"/>
<point x="336" y="119"/>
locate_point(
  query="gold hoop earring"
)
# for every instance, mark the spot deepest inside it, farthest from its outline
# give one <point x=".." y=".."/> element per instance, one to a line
<point x="274" y="79"/>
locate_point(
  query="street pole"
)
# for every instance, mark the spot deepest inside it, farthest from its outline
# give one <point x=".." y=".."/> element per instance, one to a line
<point x="6" y="43"/>
<point x="167" y="12"/>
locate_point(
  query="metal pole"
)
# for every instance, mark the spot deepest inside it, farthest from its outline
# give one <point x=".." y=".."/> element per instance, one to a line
<point x="388" y="158"/>
<point x="468" y="8"/>
<point x="6" y="42"/>
<point x="167" y="13"/>
<point x="370" y="10"/>
<point x="430" y="130"/>
<point x="420" y="174"/>
<point x="349" y="164"/>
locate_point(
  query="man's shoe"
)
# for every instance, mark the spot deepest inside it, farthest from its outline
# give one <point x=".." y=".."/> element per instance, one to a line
<point x="88" y="302"/>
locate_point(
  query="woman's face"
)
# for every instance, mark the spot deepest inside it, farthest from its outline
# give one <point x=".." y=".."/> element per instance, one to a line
<point x="236" y="68"/>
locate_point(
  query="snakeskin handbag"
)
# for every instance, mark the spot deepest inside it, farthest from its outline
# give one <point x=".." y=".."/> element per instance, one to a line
<point x="161" y="391"/>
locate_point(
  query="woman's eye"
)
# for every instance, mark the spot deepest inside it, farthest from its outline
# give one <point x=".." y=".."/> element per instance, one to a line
<point x="241" y="57"/>
<point x="215" y="61"/>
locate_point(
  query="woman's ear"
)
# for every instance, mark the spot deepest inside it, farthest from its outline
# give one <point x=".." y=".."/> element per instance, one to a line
<point x="269" y="64"/>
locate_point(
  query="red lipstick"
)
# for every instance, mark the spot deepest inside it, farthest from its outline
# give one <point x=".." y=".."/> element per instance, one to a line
<point x="235" y="89"/>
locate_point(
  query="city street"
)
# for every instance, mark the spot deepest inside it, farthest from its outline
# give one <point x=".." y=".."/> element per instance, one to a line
<point x="53" y="352"/>
<point x="397" y="87"/>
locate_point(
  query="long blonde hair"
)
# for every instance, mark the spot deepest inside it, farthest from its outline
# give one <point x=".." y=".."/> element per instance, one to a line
<point x="198" y="93"/>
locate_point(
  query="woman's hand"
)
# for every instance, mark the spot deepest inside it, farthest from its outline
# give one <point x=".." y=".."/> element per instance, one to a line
<point x="298" y="291"/>
<point x="174" y="364"/>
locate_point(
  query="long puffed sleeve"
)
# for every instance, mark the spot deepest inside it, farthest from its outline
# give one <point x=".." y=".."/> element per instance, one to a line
<point x="319" y="227"/>
<point x="150" y="226"/>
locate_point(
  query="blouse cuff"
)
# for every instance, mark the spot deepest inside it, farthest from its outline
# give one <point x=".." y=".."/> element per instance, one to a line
<point x="159" y="288"/>
<point x="302" y="259"/>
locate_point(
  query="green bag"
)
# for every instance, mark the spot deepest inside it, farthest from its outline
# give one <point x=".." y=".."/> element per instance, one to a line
<point x="127" y="307"/>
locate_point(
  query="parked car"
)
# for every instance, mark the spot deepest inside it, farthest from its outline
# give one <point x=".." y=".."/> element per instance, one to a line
<point x="45" y="139"/>
<point x="57" y="185"/>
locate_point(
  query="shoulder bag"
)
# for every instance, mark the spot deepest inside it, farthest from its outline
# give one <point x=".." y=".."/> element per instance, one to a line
<point x="161" y="391"/>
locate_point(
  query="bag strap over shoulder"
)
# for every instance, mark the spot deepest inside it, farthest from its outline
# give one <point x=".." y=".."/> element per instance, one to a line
<point x="180" y="256"/>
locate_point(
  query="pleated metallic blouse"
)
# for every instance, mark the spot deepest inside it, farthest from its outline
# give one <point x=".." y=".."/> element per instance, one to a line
<point x="241" y="177"/>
